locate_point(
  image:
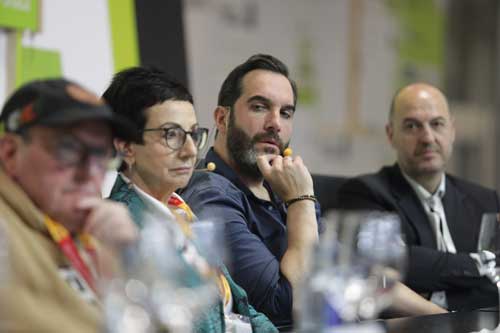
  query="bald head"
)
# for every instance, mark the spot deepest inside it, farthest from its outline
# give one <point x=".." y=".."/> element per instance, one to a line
<point x="417" y="95"/>
<point x="422" y="133"/>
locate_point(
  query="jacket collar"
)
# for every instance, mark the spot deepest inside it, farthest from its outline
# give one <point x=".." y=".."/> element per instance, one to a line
<point x="22" y="205"/>
<point x="124" y="193"/>
<point x="410" y="204"/>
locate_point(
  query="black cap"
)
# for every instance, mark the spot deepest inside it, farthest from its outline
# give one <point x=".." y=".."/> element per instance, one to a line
<point x="58" y="102"/>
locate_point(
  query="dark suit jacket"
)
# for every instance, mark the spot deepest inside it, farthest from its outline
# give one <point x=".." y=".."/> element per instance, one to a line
<point x="429" y="269"/>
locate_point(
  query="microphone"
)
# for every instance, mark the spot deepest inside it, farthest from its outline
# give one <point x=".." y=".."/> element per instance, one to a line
<point x="210" y="167"/>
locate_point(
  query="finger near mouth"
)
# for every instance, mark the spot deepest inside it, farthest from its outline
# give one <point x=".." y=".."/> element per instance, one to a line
<point x="269" y="147"/>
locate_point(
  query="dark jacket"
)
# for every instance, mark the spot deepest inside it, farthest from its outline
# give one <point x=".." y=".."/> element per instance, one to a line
<point x="429" y="269"/>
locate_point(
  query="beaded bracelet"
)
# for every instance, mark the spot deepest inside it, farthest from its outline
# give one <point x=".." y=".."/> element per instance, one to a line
<point x="299" y="198"/>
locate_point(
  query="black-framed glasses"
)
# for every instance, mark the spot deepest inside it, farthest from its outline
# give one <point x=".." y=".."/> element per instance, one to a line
<point x="175" y="137"/>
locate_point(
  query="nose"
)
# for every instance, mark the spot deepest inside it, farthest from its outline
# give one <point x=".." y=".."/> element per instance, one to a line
<point x="273" y="121"/>
<point x="427" y="134"/>
<point x="189" y="148"/>
<point x="90" y="168"/>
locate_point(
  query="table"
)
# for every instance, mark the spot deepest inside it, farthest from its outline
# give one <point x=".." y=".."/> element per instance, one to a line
<point x="456" y="322"/>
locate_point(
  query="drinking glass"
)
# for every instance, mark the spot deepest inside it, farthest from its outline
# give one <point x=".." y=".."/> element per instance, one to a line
<point x="488" y="249"/>
<point x="208" y="235"/>
<point x="360" y="256"/>
<point x="159" y="291"/>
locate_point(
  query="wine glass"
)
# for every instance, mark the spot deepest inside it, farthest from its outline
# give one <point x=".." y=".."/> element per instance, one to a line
<point x="159" y="291"/>
<point x="360" y="256"/>
<point x="208" y="235"/>
<point x="488" y="248"/>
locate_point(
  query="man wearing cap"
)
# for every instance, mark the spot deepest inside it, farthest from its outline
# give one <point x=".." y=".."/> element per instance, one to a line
<point x="61" y="237"/>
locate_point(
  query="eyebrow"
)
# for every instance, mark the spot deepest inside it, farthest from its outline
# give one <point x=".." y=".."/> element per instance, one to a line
<point x="410" y="119"/>
<point x="259" y="98"/>
<point x="175" y="124"/>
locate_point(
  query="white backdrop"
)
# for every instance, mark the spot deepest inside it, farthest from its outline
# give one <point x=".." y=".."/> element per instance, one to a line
<point x="312" y="38"/>
<point x="80" y="32"/>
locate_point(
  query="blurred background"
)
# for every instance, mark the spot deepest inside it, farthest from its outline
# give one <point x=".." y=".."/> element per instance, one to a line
<point x="347" y="56"/>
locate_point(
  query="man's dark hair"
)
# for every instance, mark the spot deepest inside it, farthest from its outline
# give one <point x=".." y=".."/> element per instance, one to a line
<point x="135" y="89"/>
<point x="231" y="88"/>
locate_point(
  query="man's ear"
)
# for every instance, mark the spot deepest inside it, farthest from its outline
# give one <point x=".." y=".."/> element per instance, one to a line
<point x="221" y="117"/>
<point x="9" y="149"/>
<point x="389" y="131"/>
<point x="126" y="149"/>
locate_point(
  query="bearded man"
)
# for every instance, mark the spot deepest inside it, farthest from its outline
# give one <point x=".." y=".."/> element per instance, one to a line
<point x="266" y="200"/>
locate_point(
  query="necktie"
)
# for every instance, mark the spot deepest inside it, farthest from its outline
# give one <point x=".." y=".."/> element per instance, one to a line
<point x="438" y="225"/>
<point x="438" y="297"/>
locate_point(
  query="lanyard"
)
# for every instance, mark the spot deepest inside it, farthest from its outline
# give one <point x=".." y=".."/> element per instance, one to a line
<point x="176" y="202"/>
<point x="63" y="239"/>
<point x="178" y="206"/>
<point x="224" y="288"/>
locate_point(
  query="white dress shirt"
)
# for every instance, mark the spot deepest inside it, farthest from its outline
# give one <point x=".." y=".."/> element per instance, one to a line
<point x="434" y="209"/>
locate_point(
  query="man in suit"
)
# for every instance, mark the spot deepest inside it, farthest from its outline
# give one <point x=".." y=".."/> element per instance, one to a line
<point x="440" y="214"/>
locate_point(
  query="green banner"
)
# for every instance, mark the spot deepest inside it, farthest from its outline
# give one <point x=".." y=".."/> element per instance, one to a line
<point x="123" y="33"/>
<point x="19" y="14"/>
<point x="421" y="39"/>
<point x="35" y="63"/>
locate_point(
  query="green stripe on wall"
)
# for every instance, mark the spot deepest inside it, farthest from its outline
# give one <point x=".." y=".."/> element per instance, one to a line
<point x="35" y="63"/>
<point x="20" y="14"/>
<point x="123" y="33"/>
<point x="19" y="58"/>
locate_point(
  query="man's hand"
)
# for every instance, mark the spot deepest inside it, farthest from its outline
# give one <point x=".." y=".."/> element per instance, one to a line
<point x="288" y="176"/>
<point x="487" y="264"/>
<point x="109" y="222"/>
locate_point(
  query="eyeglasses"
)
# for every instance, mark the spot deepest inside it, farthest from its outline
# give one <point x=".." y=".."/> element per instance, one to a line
<point x="175" y="137"/>
<point x="70" y="152"/>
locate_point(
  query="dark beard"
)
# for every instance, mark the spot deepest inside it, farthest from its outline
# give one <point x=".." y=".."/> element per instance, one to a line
<point x="241" y="149"/>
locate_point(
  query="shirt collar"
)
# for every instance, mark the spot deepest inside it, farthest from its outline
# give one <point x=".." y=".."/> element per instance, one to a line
<point x="150" y="202"/>
<point x="422" y="193"/>
<point x="223" y="169"/>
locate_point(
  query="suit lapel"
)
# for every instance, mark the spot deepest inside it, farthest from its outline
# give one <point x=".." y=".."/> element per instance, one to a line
<point x="412" y="209"/>
<point x="460" y="229"/>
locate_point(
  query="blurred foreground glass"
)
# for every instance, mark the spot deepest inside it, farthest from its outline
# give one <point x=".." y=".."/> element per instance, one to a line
<point x="488" y="249"/>
<point x="159" y="292"/>
<point x="209" y="238"/>
<point x="358" y="259"/>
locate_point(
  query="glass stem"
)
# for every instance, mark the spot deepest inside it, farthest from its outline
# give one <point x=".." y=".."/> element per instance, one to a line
<point x="497" y="329"/>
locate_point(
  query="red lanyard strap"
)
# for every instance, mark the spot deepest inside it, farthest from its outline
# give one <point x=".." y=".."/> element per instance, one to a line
<point x="63" y="239"/>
